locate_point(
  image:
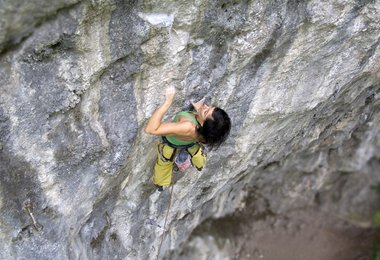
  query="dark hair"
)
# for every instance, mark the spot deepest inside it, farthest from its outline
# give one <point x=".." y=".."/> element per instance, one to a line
<point x="215" y="131"/>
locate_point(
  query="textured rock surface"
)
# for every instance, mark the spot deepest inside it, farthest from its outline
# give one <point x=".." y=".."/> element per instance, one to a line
<point x="79" y="79"/>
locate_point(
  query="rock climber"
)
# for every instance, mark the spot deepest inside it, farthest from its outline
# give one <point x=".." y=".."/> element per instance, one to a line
<point x="188" y="131"/>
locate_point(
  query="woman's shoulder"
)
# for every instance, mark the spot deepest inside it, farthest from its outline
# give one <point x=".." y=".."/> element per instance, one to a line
<point x="186" y="124"/>
<point x="189" y="116"/>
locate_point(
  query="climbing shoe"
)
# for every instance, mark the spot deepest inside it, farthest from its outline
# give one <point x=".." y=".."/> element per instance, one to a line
<point x="159" y="188"/>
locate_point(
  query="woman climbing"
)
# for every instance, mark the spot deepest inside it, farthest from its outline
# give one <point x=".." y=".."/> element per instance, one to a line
<point x="208" y="125"/>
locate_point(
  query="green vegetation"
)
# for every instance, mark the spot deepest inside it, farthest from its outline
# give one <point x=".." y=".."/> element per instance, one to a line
<point x="377" y="219"/>
<point x="376" y="251"/>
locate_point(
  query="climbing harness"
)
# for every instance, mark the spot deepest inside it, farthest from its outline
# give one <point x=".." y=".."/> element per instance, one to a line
<point x="176" y="146"/>
<point x="194" y="155"/>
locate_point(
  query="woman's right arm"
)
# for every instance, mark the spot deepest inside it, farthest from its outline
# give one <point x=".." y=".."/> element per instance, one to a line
<point x="155" y="126"/>
<point x="154" y="121"/>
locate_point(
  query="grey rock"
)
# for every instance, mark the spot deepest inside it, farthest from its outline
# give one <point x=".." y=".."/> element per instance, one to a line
<point x="79" y="79"/>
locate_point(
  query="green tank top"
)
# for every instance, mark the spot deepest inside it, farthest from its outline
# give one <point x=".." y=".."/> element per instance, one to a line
<point x="174" y="140"/>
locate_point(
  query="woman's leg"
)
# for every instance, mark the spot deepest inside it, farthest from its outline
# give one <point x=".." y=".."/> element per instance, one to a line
<point x="164" y="165"/>
<point x="198" y="157"/>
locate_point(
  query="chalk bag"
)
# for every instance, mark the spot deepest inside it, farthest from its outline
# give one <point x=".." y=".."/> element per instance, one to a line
<point x="182" y="160"/>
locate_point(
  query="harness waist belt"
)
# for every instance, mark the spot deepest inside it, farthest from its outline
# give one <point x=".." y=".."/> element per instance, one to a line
<point x="165" y="140"/>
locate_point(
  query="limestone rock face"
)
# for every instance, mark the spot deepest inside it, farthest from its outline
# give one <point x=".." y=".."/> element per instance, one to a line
<point x="79" y="79"/>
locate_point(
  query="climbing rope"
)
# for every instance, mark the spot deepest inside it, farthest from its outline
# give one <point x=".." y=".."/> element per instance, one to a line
<point x="166" y="217"/>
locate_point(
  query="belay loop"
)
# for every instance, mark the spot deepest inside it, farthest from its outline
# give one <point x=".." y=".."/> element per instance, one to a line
<point x="183" y="160"/>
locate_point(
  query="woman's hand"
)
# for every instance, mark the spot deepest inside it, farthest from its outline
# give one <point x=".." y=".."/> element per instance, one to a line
<point x="169" y="94"/>
<point x="198" y="104"/>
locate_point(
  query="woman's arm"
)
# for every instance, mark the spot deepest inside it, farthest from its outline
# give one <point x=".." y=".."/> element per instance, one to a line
<point x="156" y="127"/>
<point x="154" y="121"/>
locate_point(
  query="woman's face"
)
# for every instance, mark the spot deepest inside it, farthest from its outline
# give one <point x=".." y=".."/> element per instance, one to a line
<point x="205" y="112"/>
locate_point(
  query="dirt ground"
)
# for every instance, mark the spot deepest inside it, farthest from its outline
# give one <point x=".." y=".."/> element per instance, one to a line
<point x="302" y="235"/>
<point x="255" y="233"/>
